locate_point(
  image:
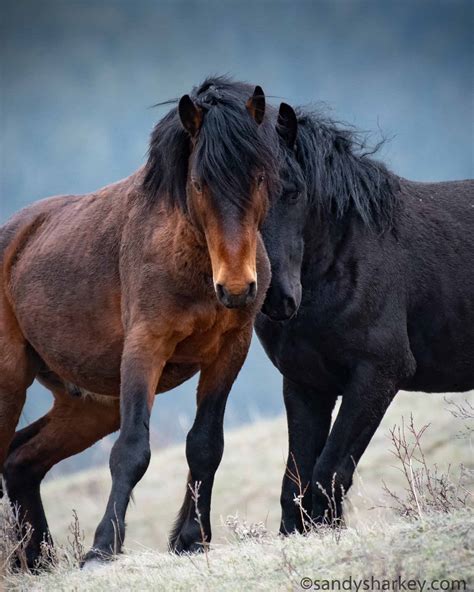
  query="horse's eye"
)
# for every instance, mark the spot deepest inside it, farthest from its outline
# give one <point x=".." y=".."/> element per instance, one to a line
<point x="294" y="196"/>
<point x="260" y="180"/>
<point x="197" y="186"/>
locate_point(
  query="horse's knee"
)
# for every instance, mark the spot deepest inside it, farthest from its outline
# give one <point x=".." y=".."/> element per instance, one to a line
<point x="130" y="456"/>
<point x="203" y="453"/>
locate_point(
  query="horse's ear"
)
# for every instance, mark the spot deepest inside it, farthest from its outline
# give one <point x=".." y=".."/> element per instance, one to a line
<point x="287" y="126"/>
<point x="256" y="105"/>
<point x="190" y="115"/>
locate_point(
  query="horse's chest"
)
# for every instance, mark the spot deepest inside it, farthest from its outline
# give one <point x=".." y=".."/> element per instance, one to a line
<point x="205" y="340"/>
<point x="300" y="352"/>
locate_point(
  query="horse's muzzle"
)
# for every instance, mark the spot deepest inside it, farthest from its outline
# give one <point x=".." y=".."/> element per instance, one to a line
<point x="284" y="312"/>
<point x="281" y="306"/>
<point x="239" y="300"/>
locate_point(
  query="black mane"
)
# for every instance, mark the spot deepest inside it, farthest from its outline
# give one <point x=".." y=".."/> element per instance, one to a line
<point x="229" y="146"/>
<point x="340" y="174"/>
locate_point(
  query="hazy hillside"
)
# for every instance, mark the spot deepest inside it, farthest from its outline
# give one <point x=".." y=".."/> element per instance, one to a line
<point x="248" y="480"/>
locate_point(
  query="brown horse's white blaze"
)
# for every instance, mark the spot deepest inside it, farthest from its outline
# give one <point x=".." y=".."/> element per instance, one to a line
<point x="231" y="239"/>
<point x="231" y="233"/>
<point x="233" y="258"/>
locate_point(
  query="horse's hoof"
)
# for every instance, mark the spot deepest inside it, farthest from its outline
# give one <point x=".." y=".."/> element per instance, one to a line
<point x="185" y="544"/>
<point x="94" y="559"/>
<point x="93" y="565"/>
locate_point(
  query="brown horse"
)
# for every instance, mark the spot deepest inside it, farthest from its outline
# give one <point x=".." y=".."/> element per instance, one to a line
<point x="133" y="289"/>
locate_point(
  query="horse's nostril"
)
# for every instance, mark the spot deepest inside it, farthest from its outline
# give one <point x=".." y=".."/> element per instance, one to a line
<point x="289" y="305"/>
<point x="235" y="300"/>
<point x="221" y="291"/>
<point x="279" y="307"/>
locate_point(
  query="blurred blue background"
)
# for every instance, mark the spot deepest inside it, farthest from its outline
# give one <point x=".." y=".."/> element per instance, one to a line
<point x="78" y="77"/>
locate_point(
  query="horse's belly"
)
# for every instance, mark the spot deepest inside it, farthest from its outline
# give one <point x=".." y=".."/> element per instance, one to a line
<point x="95" y="367"/>
<point x="441" y="339"/>
<point x="442" y="365"/>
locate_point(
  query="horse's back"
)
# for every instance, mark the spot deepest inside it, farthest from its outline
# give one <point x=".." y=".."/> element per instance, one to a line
<point x="74" y="210"/>
<point x="61" y="274"/>
<point x="436" y="232"/>
<point x="27" y="218"/>
<point x="438" y="243"/>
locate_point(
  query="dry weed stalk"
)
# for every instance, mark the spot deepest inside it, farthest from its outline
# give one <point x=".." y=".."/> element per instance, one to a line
<point x="331" y="518"/>
<point x="427" y="489"/>
<point x="195" y="497"/>
<point x="243" y="531"/>
<point x="465" y="412"/>
<point x="294" y="476"/>
<point x="75" y="541"/>
<point x="14" y="537"/>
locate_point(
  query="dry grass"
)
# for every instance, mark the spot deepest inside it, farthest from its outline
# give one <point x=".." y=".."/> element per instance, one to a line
<point x="246" y="553"/>
<point x="439" y="548"/>
<point x="13" y="538"/>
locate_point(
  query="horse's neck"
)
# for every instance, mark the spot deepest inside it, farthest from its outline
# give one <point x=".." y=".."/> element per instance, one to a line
<point x="324" y="239"/>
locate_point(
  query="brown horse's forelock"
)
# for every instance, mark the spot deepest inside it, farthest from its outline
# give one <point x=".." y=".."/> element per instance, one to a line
<point x="229" y="150"/>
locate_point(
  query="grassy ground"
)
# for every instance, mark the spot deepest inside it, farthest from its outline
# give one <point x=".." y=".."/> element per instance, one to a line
<point x="376" y="542"/>
<point x="440" y="548"/>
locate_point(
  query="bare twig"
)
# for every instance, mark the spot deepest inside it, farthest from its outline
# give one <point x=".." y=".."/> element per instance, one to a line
<point x="295" y="477"/>
<point x="14" y="537"/>
<point x="244" y="531"/>
<point x="427" y="489"/>
<point x="195" y="497"/>
<point x="76" y="540"/>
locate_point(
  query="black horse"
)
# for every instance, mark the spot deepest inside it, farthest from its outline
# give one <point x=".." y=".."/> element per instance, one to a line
<point x="387" y="303"/>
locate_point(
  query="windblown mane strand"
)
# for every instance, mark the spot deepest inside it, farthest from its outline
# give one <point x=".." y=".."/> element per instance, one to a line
<point x="340" y="175"/>
<point x="167" y="166"/>
<point x="229" y="147"/>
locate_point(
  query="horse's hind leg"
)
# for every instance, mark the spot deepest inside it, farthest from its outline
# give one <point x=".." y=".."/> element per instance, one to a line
<point x="18" y="366"/>
<point x="72" y="425"/>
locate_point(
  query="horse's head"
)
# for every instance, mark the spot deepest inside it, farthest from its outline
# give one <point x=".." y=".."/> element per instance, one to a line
<point x="283" y="227"/>
<point x="229" y="169"/>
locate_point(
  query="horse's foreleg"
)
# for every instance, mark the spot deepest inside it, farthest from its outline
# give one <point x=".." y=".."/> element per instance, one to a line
<point x="364" y="403"/>
<point x="71" y="426"/>
<point x="309" y="420"/>
<point x="130" y="455"/>
<point x="205" y="445"/>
